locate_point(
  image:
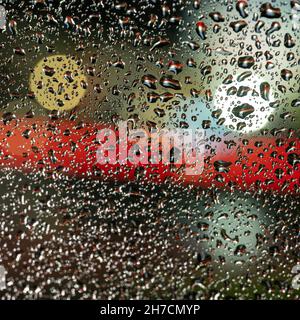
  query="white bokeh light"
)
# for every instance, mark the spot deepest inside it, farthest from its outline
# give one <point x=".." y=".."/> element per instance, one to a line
<point x="262" y="110"/>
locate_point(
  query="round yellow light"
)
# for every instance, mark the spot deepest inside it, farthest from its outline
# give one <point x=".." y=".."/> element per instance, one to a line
<point x="58" y="83"/>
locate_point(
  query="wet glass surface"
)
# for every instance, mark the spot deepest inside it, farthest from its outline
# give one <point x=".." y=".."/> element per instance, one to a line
<point x="72" y="229"/>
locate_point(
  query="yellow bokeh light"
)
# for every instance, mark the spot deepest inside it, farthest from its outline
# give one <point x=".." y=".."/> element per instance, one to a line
<point x="58" y="83"/>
